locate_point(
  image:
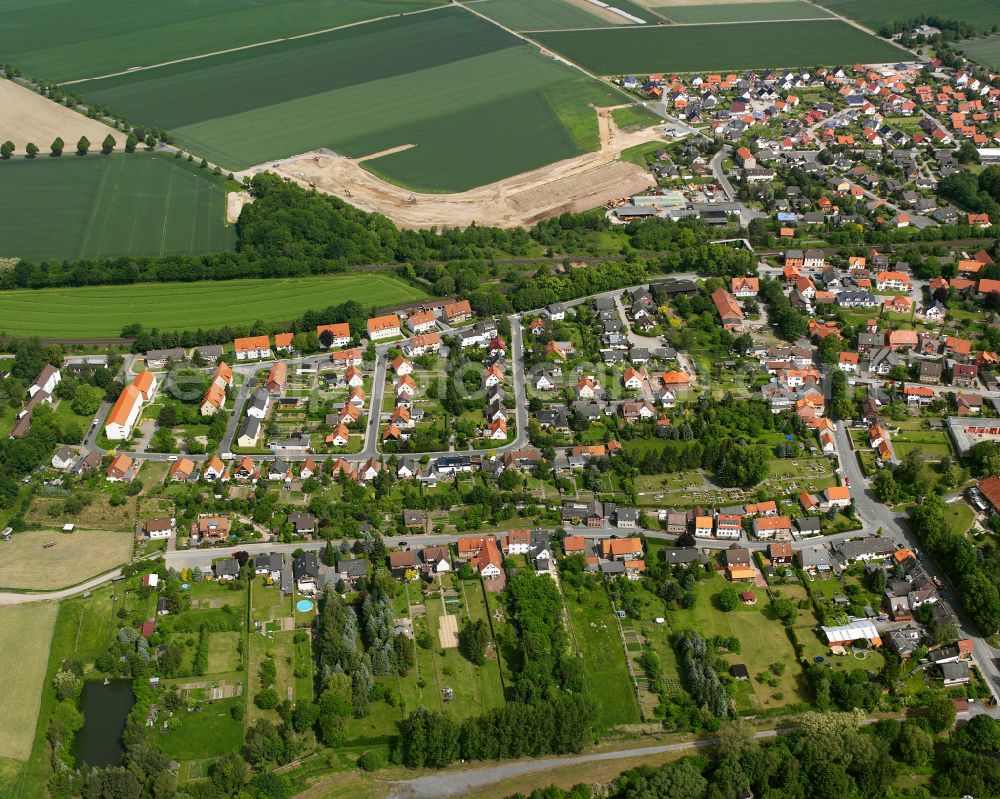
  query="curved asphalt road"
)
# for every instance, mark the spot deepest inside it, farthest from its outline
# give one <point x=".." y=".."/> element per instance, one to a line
<point x="18" y="598"/>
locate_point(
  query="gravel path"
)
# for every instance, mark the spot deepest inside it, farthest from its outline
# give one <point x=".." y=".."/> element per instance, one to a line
<point x="452" y="783"/>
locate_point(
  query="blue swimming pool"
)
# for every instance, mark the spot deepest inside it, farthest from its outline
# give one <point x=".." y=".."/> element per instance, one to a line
<point x="304" y="605"/>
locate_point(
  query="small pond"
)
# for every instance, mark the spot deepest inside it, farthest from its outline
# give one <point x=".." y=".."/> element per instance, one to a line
<point x="105" y="711"/>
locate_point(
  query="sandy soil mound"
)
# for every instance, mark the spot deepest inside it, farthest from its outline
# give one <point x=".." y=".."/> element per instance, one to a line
<point x="575" y="184"/>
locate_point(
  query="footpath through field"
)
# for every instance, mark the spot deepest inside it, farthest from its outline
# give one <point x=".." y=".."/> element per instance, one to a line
<point x="146" y="68"/>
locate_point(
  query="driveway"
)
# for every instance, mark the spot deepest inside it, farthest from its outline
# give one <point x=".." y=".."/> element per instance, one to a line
<point x="636" y="340"/>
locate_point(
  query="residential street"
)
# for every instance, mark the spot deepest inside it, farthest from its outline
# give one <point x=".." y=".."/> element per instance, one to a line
<point x="375" y="409"/>
<point x="894" y="526"/>
<point x="720" y="173"/>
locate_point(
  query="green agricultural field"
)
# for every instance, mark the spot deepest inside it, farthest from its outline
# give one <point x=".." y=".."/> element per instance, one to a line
<point x="641" y="10"/>
<point x="873" y="15"/>
<point x="96" y="311"/>
<point x="529" y="15"/>
<point x="476" y="103"/>
<point x="61" y="40"/>
<point x="98" y="206"/>
<point x="703" y="47"/>
<point x="986" y="50"/>
<point x="743" y="12"/>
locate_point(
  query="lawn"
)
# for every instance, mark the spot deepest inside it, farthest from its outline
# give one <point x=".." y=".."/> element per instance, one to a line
<point x="267" y="602"/>
<point x="742" y="12"/>
<point x="101" y="206"/>
<point x="694" y="48"/>
<point x="93" y="311"/>
<point x="25" y="635"/>
<point x="914" y="434"/>
<point x="596" y="634"/>
<point x="985" y="51"/>
<point x="873" y="15"/>
<point x="278" y="646"/>
<point x="931" y="450"/>
<point x="763" y="642"/>
<point x="209" y="731"/>
<point x="959" y="517"/>
<point x="528" y="15"/>
<point x="223" y="652"/>
<point x="26" y="564"/>
<point x="61" y="40"/>
<point x="449" y="83"/>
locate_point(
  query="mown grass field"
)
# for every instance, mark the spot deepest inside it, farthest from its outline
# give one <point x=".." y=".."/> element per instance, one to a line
<point x="694" y="48"/>
<point x="96" y="311"/>
<point x="25" y="563"/>
<point x="210" y="733"/>
<point x="99" y="206"/>
<point x="25" y="635"/>
<point x="743" y="12"/>
<point x="62" y="40"/>
<point x="477" y="103"/>
<point x="635" y="117"/>
<point x="527" y="15"/>
<point x="986" y="50"/>
<point x="874" y="15"/>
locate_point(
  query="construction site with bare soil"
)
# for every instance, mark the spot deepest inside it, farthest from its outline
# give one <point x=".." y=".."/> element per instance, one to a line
<point x="574" y="184"/>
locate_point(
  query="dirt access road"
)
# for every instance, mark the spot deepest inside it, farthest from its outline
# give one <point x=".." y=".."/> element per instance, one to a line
<point x="574" y="184"/>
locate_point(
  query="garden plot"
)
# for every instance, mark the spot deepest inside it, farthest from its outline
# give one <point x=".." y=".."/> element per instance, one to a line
<point x="595" y="631"/>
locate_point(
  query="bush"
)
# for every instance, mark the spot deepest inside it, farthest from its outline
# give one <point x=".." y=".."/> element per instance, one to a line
<point x="728" y="598"/>
<point x="268" y="673"/>
<point x="266" y="699"/>
<point x="472" y="641"/>
<point x="371" y="761"/>
<point x="200" y="664"/>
